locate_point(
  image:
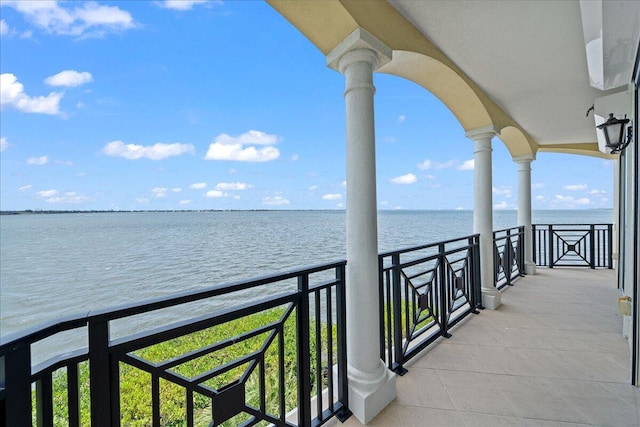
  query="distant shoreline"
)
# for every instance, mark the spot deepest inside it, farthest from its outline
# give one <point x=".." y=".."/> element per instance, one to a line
<point x="53" y="212"/>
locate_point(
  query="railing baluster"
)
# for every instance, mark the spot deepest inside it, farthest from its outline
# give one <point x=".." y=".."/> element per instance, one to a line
<point x="329" y="306"/>
<point x="99" y="378"/>
<point x="189" y="398"/>
<point x="44" y="401"/>
<point x="73" y="395"/>
<point x="551" y="260"/>
<point x="609" y="246"/>
<point x="318" y="361"/>
<point x="155" y="400"/>
<point x="444" y="286"/>
<point x="341" y="318"/>
<point x="382" y="275"/>
<point x="17" y="384"/>
<point x="304" y="353"/>
<point x="281" y="374"/>
<point x="592" y="246"/>
<point x="396" y="303"/>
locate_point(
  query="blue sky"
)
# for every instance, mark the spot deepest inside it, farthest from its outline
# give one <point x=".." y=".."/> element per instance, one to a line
<point x="223" y="105"/>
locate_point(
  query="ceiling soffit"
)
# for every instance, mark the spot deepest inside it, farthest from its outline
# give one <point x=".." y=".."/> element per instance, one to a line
<point x="506" y="67"/>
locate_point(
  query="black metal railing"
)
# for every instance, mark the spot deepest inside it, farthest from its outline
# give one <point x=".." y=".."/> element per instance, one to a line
<point x="277" y="357"/>
<point x="508" y="259"/>
<point x="573" y="245"/>
<point x="424" y="291"/>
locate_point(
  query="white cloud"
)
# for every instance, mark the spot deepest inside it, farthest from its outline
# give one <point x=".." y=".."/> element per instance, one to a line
<point x="69" y="197"/>
<point x="216" y="194"/>
<point x="198" y="185"/>
<point x="73" y="18"/>
<point x="43" y="160"/>
<point x="4" y="28"/>
<point x="503" y="205"/>
<point x="583" y="201"/>
<point x="503" y="191"/>
<point x="157" y="151"/>
<point x="25" y="187"/>
<point x="570" y="201"/>
<point x="537" y="186"/>
<point x="402" y="118"/>
<point x="334" y="196"/>
<point x="595" y="192"/>
<point x="295" y="157"/>
<point x="69" y="78"/>
<point x="404" y="179"/>
<point x="540" y="198"/>
<point x="176" y="190"/>
<point x="426" y="164"/>
<point x="184" y="202"/>
<point x="428" y="176"/>
<point x="12" y="95"/>
<point x="241" y="148"/>
<point x="3" y="143"/>
<point x="47" y="193"/>
<point x="430" y="164"/>
<point x="226" y="186"/>
<point x="313" y="188"/>
<point x="467" y="165"/>
<point x="575" y="187"/>
<point x="445" y="165"/>
<point x="251" y="137"/>
<point x="182" y="4"/>
<point x="159" y="192"/>
<point x="142" y="200"/>
<point x="275" y="201"/>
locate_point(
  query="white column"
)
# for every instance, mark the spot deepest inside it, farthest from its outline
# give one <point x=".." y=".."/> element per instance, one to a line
<point x="524" y="208"/>
<point x="371" y="385"/>
<point x="483" y="211"/>
<point x="616" y="211"/>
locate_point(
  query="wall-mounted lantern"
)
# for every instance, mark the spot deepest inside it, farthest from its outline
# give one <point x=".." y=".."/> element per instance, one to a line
<point x="614" y="133"/>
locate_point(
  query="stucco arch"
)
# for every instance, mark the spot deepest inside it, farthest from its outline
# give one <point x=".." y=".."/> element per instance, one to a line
<point x="443" y="83"/>
<point x="516" y="141"/>
<point x="327" y="23"/>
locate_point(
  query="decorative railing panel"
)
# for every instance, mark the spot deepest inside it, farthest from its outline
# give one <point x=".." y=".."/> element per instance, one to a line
<point x="423" y="292"/>
<point x="509" y="255"/>
<point x="573" y="245"/>
<point x="276" y="358"/>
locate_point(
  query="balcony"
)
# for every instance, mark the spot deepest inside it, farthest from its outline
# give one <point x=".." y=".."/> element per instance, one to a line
<point x="551" y="353"/>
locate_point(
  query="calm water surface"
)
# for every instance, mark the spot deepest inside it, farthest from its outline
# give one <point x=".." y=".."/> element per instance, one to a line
<point x="63" y="264"/>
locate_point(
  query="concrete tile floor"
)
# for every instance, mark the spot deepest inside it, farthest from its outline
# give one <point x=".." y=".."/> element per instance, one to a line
<point x="552" y="355"/>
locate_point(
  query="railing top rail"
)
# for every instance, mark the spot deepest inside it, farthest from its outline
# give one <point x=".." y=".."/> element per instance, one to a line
<point x="45" y="329"/>
<point x="573" y="224"/>
<point x="427" y="246"/>
<point x="517" y="227"/>
<point x="428" y="258"/>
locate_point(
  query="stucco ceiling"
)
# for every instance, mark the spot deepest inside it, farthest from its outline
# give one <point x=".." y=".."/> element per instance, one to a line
<point x="528" y="56"/>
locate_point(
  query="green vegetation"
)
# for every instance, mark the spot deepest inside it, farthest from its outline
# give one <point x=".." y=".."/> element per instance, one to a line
<point x="135" y="384"/>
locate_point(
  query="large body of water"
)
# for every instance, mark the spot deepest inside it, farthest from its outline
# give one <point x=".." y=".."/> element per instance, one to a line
<point x="62" y="264"/>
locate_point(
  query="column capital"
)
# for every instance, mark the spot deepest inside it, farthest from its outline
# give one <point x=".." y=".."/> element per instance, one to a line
<point x="485" y="132"/>
<point x="525" y="158"/>
<point x="359" y="40"/>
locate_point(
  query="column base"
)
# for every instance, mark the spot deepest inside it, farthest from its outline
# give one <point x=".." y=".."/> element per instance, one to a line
<point x="491" y="298"/>
<point x="365" y="401"/>
<point x="529" y="268"/>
